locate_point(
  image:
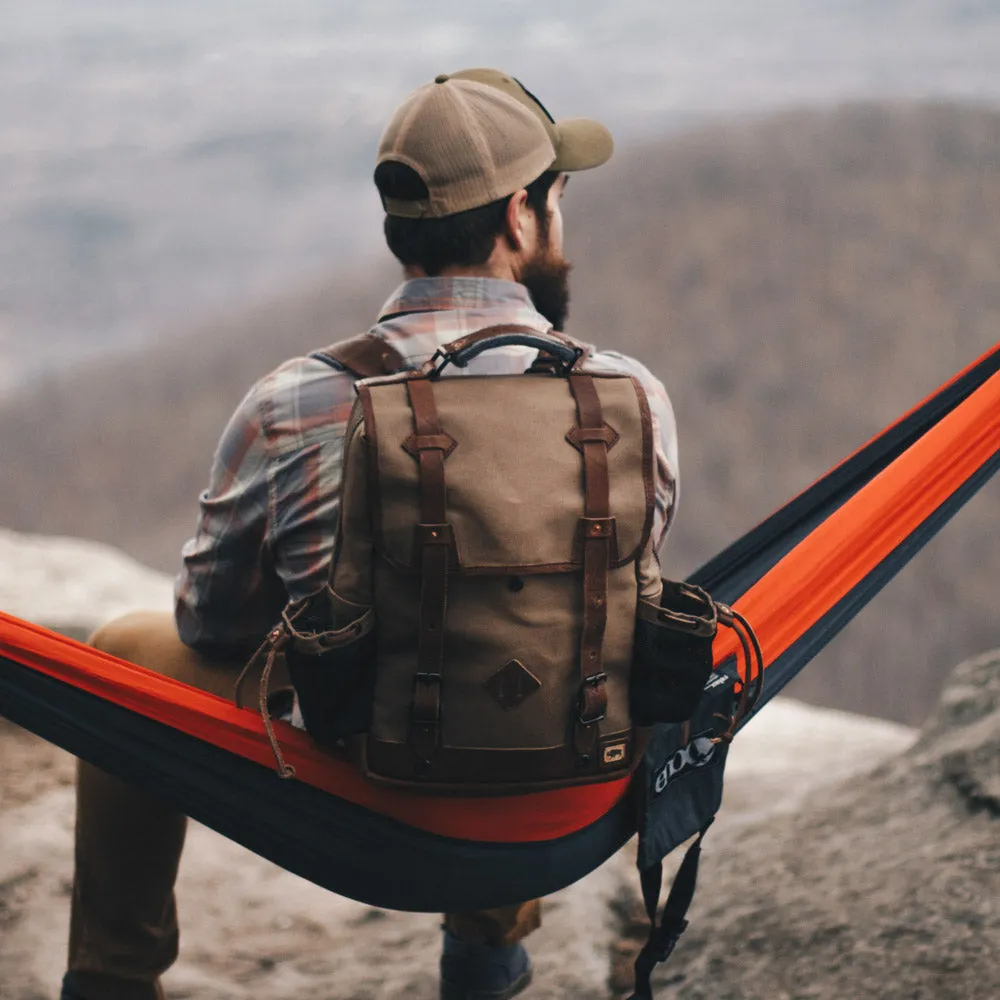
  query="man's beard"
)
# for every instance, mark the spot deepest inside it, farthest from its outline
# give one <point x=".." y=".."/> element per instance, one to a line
<point x="546" y="276"/>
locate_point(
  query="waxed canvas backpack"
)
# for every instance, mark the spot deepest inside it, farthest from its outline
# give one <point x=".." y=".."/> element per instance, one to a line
<point x="493" y="619"/>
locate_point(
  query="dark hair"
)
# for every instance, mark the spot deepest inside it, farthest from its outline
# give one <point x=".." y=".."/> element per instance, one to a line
<point x="465" y="239"/>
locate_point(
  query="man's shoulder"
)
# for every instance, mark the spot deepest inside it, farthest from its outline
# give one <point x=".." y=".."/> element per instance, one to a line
<point x="301" y="395"/>
<point x="615" y="361"/>
<point x="659" y="401"/>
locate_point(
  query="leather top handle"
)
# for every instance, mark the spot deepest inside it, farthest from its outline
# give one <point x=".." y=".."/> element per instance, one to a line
<point x="460" y="352"/>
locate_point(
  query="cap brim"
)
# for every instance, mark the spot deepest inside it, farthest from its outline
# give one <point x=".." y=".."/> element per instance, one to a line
<point x="582" y="144"/>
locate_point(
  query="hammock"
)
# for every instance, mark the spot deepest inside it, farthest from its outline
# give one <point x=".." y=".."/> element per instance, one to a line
<point x="799" y="577"/>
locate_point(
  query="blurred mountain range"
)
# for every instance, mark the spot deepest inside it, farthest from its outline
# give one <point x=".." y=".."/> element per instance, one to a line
<point x="161" y="163"/>
<point x="796" y="281"/>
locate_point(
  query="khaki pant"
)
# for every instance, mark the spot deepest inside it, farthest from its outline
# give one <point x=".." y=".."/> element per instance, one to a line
<point x="123" y="925"/>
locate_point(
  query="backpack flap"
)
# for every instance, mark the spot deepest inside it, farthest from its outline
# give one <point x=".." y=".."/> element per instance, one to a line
<point x="507" y="523"/>
<point x="513" y="471"/>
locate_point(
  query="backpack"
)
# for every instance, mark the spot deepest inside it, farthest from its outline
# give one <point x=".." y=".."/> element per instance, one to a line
<point x="495" y="619"/>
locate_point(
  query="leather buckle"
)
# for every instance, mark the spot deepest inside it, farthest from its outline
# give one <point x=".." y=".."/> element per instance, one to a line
<point x="593" y="704"/>
<point x="438" y="362"/>
<point x="425" y="709"/>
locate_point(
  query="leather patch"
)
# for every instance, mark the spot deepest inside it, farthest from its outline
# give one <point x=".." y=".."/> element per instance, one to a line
<point x="416" y="443"/>
<point x="605" y="434"/>
<point x="512" y="684"/>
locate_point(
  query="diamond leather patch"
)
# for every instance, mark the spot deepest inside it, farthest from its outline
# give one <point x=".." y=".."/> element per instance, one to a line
<point x="511" y="684"/>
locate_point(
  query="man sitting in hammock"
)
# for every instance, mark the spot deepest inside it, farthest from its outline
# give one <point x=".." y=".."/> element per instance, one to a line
<point x="480" y="237"/>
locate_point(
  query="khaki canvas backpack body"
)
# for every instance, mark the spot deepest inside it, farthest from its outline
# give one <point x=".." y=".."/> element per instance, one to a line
<point x="493" y="618"/>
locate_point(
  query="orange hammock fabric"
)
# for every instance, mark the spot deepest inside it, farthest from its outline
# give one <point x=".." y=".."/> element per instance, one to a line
<point x="798" y="577"/>
<point x="795" y="593"/>
<point x="866" y="530"/>
<point x="537" y="816"/>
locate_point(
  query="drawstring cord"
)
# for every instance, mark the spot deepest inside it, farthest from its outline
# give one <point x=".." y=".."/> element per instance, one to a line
<point x="274" y="644"/>
<point x="753" y="675"/>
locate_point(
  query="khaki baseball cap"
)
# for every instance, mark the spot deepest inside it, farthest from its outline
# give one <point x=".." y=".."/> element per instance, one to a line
<point x="478" y="135"/>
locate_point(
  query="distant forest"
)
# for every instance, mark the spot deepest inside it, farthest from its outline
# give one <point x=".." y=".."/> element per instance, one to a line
<point x="797" y="282"/>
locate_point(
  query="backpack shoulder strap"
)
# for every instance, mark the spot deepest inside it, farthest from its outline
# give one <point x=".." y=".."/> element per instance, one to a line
<point x="364" y="356"/>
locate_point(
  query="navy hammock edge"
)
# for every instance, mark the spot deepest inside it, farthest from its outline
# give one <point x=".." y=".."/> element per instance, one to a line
<point x="798" y="577"/>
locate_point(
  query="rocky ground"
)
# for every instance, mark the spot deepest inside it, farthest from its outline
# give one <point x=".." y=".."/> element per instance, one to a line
<point x="813" y="886"/>
<point x="886" y="885"/>
<point x="251" y="930"/>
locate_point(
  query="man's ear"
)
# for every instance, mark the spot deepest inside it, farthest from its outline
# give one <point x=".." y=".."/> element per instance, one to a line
<point x="517" y="220"/>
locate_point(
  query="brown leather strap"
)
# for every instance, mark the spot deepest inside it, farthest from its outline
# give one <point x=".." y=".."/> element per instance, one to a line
<point x="597" y="531"/>
<point x="435" y="542"/>
<point x="431" y="445"/>
<point x="364" y="356"/>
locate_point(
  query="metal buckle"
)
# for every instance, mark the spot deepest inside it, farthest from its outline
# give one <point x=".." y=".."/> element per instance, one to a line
<point x="426" y="686"/>
<point x="565" y="367"/>
<point x="593" y="682"/>
<point x="439" y="359"/>
<point x="426" y="678"/>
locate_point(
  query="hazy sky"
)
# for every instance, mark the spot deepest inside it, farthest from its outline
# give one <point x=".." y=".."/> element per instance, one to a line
<point x="160" y="160"/>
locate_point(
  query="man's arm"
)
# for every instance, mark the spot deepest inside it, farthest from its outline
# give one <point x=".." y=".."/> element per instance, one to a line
<point x="667" y="474"/>
<point x="220" y="598"/>
<point x="268" y="518"/>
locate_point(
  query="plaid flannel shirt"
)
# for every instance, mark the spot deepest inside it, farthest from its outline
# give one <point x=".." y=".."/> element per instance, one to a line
<point x="269" y="515"/>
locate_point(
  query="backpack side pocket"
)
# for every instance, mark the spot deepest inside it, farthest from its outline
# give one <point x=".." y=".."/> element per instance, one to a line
<point x="332" y="665"/>
<point x="672" y="654"/>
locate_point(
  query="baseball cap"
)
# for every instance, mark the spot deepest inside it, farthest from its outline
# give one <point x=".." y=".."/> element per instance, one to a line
<point x="478" y="135"/>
